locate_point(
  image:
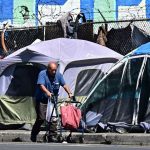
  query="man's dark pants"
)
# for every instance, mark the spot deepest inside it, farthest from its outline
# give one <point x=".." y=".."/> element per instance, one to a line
<point x="41" y="116"/>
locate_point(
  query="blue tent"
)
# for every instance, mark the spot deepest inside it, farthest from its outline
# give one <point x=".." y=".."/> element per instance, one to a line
<point x="143" y="49"/>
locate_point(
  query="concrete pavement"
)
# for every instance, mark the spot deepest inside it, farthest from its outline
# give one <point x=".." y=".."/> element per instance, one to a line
<point x="89" y="138"/>
<point x="51" y="146"/>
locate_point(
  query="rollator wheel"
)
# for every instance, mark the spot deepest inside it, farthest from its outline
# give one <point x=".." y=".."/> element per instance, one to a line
<point x="60" y="138"/>
<point x="81" y="139"/>
<point x="69" y="139"/>
<point x="45" y="138"/>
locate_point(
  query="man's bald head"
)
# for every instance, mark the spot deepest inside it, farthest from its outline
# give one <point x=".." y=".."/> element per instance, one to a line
<point x="52" y="64"/>
<point x="52" y="68"/>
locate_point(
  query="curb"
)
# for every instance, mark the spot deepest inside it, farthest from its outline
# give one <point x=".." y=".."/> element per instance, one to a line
<point x="89" y="138"/>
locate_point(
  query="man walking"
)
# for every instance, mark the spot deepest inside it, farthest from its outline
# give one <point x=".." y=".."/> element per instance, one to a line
<point x="48" y="84"/>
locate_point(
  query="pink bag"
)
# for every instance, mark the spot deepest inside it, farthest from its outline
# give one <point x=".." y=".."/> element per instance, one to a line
<point x="70" y="116"/>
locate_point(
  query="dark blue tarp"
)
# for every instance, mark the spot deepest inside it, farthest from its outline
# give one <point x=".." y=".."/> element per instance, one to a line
<point x="125" y="40"/>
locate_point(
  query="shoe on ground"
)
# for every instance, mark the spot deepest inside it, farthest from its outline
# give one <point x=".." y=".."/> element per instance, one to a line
<point x="33" y="138"/>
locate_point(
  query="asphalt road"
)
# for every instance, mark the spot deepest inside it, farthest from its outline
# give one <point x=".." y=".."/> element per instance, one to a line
<point x="48" y="146"/>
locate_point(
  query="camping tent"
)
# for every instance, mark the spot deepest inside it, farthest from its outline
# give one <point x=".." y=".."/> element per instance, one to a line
<point x="81" y="62"/>
<point x="123" y="94"/>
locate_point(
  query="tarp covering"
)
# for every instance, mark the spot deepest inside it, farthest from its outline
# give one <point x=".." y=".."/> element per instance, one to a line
<point x="123" y="94"/>
<point x="11" y="110"/>
<point x="120" y="40"/>
<point x="139" y="37"/>
<point x="125" y="40"/>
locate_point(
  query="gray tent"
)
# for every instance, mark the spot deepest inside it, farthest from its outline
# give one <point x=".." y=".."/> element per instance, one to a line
<point x="83" y="63"/>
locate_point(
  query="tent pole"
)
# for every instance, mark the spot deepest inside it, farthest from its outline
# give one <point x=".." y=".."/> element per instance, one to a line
<point x="120" y="89"/>
<point x="44" y="32"/>
<point x="92" y="91"/>
<point x="138" y="93"/>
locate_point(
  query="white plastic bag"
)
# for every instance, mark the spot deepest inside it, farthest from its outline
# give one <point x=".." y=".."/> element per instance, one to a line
<point x="49" y="114"/>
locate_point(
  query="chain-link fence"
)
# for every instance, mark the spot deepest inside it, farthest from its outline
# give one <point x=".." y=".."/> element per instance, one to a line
<point x="125" y="36"/>
<point x="16" y="38"/>
<point x="122" y="36"/>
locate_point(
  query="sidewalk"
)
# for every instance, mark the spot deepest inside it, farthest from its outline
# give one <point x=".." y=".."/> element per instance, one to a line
<point x="89" y="138"/>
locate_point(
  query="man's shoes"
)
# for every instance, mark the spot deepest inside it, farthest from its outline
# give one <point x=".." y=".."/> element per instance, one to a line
<point x="33" y="138"/>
